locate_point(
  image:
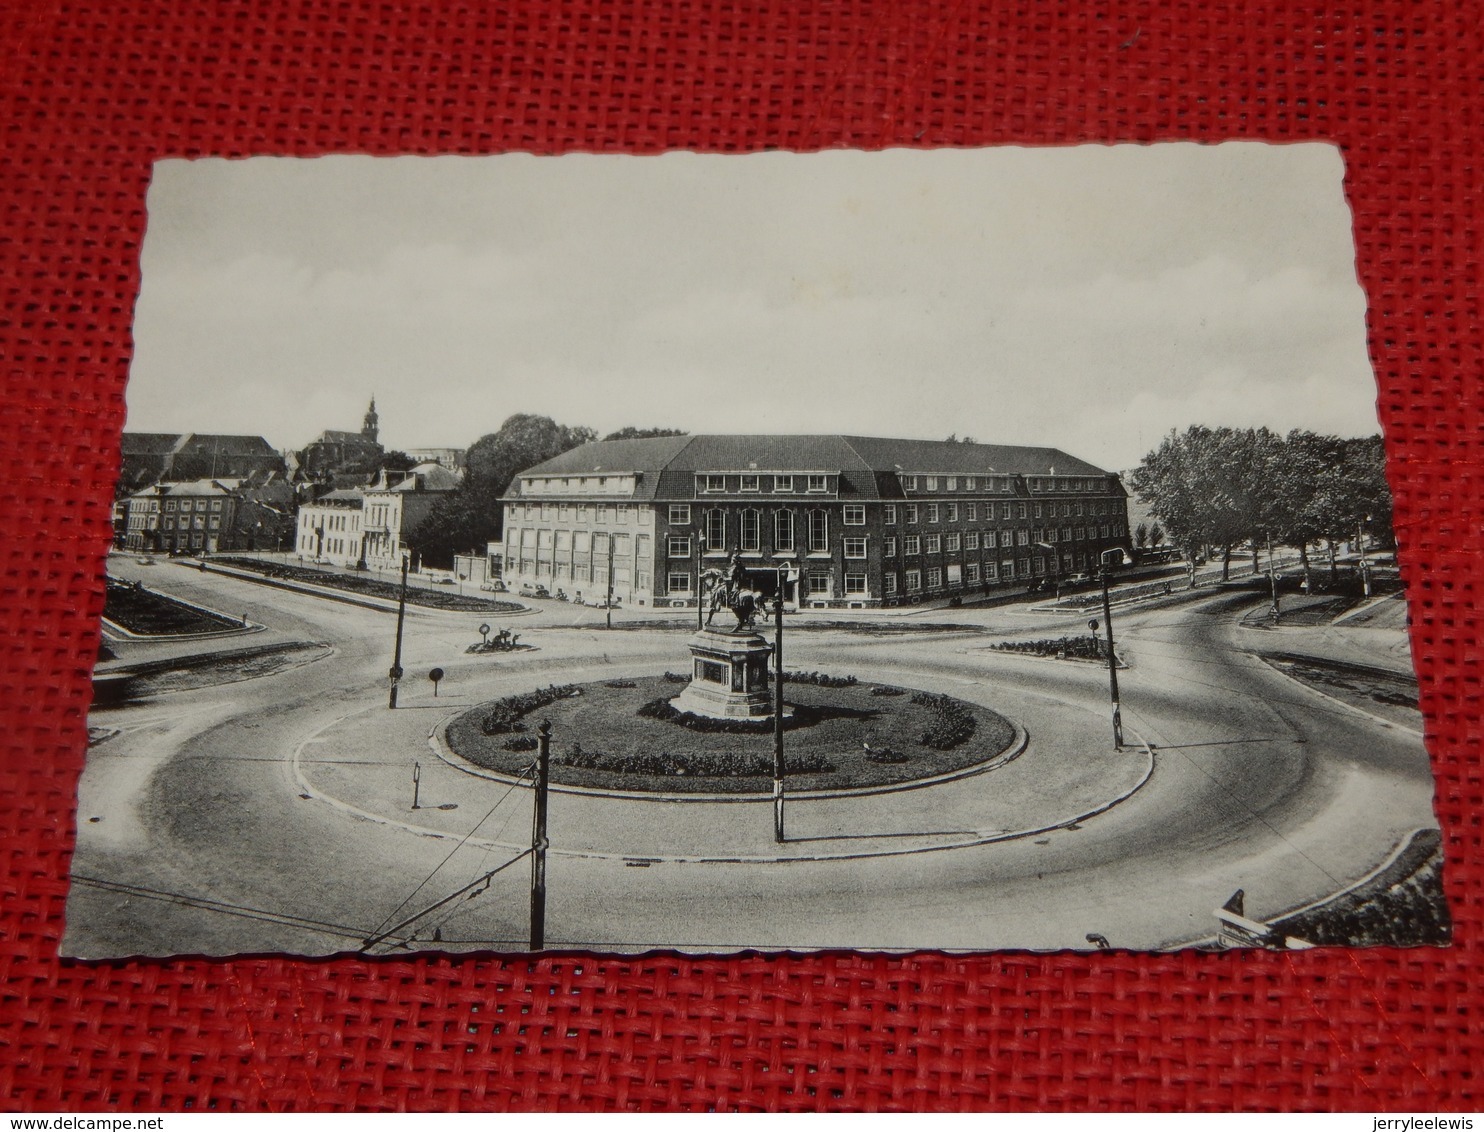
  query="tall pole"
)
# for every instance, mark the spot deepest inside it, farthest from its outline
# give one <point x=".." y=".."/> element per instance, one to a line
<point x="700" y="583"/>
<point x="609" y="610"/>
<point x="396" y="670"/>
<point x="1365" y="573"/>
<point x="778" y="712"/>
<point x="1273" y="580"/>
<point x="538" y="837"/>
<point x="1112" y="662"/>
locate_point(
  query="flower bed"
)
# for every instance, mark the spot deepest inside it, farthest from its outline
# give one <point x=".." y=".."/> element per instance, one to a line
<point x="625" y="735"/>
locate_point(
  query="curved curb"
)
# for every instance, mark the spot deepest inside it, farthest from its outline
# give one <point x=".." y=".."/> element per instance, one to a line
<point x="347" y="597"/>
<point x="1101" y="664"/>
<point x="116" y="632"/>
<point x="438" y="741"/>
<point x="1336" y="700"/>
<point x="688" y="859"/>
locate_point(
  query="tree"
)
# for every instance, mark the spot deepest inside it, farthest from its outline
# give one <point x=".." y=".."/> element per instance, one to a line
<point x="1184" y="484"/>
<point x="1141" y="535"/>
<point x="470" y="516"/>
<point x="396" y="462"/>
<point x="1156" y="536"/>
<point x="632" y="433"/>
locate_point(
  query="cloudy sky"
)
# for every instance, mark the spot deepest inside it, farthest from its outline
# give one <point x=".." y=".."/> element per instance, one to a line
<point x="1090" y="298"/>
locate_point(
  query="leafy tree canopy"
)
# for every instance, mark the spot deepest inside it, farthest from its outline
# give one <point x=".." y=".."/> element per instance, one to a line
<point x="469" y="517"/>
<point x="1220" y="487"/>
<point x="632" y="433"/>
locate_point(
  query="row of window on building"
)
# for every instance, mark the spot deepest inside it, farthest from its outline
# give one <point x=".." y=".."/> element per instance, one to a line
<point x="581" y="556"/>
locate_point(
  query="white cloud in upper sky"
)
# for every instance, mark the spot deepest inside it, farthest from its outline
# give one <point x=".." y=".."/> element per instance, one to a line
<point x="1089" y="297"/>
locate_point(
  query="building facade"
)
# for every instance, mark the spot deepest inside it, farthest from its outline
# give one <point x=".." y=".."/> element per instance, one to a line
<point x="209" y="516"/>
<point x="859" y="521"/>
<point x="393" y="504"/>
<point x="336" y="451"/>
<point x="151" y="457"/>
<point x="329" y="529"/>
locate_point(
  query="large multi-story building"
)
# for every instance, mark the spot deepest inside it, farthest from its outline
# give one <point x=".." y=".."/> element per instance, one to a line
<point x="151" y="457"/>
<point x="392" y="506"/>
<point x="329" y="528"/>
<point x="210" y="515"/>
<point x="860" y="521"/>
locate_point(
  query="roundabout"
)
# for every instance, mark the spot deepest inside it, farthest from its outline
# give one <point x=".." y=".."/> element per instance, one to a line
<point x="627" y="736"/>
<point x="1028" y="786"/>
<point x="356" y="817"/>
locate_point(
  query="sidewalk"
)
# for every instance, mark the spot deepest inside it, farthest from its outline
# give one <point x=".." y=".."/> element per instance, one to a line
<point x="363" y="763"/>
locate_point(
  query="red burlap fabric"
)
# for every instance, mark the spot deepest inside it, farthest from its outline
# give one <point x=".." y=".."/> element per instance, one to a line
<point x="91" y="91"/>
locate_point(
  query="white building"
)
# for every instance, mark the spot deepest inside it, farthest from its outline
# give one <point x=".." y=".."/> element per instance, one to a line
<point x="394" y="504"/>
<point x="329" y="529"/>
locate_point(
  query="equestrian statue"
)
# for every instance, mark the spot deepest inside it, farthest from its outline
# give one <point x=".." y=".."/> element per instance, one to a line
<point x="729" y="590"/>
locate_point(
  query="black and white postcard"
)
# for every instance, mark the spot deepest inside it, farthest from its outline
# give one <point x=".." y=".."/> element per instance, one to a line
<point x="950" y="549"/>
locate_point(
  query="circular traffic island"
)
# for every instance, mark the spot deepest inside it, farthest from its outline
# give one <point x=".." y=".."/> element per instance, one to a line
<point x="625" y="735"/>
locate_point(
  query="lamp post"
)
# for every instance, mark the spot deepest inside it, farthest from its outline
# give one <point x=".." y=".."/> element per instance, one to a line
<point x="1123" y="560"/>
<point x="1273" y="581"/>
<point x="1365" y="570"/>
<point x="778" y="712"/>
<point x="396" y="669"/>
<point x="1055" y="567"/>
<point x="785" y="572"/>
<point x="700" y="584"/>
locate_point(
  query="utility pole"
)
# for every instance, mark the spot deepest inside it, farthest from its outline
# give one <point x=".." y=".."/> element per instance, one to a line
<point x="396" y="670"/>
<point x="778" y="712"/>
<point x="1273" y="581"/>
<point x="700" y="583"/>
<point x="1112" y="660"/>
<point x="609" y="610"/>
<point x="538" y="837"/>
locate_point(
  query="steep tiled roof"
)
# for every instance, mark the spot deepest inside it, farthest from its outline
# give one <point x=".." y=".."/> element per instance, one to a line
<point x="149" y="443"/>
<point x="866" y="464"/>
<point x="225" y="444"/>
<point x="424" y="477"/>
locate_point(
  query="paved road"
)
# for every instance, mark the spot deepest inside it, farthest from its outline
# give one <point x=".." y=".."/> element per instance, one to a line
<point x="194" y="836"/>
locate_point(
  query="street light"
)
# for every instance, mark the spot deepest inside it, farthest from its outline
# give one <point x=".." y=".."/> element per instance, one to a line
<point x="1055" y="566"/>
<point x="1123" y="560"/>
<point x="1365" y="570"/>
<point x="395" y="673"/>
<point x="1273" y="582"/>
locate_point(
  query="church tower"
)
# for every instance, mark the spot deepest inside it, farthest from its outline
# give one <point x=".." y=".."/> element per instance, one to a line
<point x="368" y="425"/>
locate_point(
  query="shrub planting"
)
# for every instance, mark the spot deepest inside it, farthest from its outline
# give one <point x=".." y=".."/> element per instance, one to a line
<point x="663" y="764"/>
<point x="1083" y="648"/>
<point x="951" y="723"/>
<point x="506" y="715"/>
<point x="819" y="679"/>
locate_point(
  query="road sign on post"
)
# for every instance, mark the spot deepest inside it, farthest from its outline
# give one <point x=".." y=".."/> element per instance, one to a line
<point x="435" y="675"/>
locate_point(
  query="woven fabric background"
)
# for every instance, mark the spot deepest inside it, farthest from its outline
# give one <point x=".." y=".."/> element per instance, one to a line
<point x="92" y="91"/>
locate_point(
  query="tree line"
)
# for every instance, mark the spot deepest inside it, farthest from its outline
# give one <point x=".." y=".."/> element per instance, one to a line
<point x="1216" y="489"/>
<point x="469" y="517"/>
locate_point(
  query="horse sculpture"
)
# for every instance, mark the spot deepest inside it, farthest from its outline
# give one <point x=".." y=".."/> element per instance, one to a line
<point x="727" y="593"/>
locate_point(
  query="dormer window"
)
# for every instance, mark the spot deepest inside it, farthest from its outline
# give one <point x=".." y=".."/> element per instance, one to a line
<point x="713" y="483"/>
<point x="909" y="483"/>
<point x="817" y="483"/>
<point x="750" y="484"/>
<point x="783" y="483"/>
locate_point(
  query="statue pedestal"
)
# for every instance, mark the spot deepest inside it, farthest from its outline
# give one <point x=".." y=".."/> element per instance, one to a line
<point x="729" y="676"/>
